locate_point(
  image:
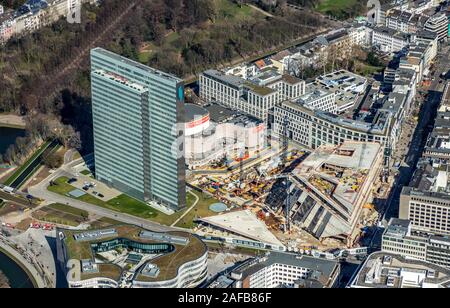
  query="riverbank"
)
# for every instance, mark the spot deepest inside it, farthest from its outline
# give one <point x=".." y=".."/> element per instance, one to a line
<point x="12" y="121"/>
<point x="20" y="262"/>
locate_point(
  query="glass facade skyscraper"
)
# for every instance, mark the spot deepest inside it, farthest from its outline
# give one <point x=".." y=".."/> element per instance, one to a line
<point x="138" y="115"/>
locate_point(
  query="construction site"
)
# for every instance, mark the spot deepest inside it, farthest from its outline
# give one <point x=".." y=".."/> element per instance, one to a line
<point x="307" y="200"/>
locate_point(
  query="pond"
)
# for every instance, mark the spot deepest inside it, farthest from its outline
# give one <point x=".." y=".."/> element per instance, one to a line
<point x="8" y="136"/>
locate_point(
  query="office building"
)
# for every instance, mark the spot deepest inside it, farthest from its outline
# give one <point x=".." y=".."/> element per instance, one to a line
<point x="287" y="270"/>
<point x="255" y="95"/>
<point x="138" y="116"/>
<point x="389" y="40"/>
<point x="216" y="133"/>
<point x="317" y="98"/>
<point x="399" y="238"/>
<point x="438" y="144"/>
<point x="347" y="87"/>
<point x="390" y="271"/>
<point x="313" y="128"/>
<point x="438" y="24"/>
<point x="126" y="256"/>
<point x="426" y="201"/>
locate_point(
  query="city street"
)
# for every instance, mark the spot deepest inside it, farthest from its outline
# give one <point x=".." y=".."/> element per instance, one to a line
<point x="427" y="115"/>
<point x="424" y="127"/>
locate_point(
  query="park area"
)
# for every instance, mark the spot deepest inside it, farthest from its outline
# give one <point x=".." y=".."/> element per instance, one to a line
<point x="128" y="205"/>
<point x="174" y="42"/>
<point x="340" y="9"/>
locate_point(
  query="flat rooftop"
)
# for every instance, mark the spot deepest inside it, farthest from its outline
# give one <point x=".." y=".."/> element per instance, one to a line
<point x="120" y="80"/>
<point x="78" y="245"/>
<point x="341" y="79"/>
<point x="385" y="270"/>
<point x="446" y="98"/>
<point x="398" y="228"/>
<point x="194" y="112"/>
<point x="138" y="65"/>
<point x="379" y="126"/>
<point x="230" y="80"/>
<point x="221" y="114"/>
<point x="324" y="266"/>
<point x="244" y="223"/>
<point x="349" y="155"/>
<point x="313" y="93"/>
<point x="346" y="85"/>
<point x="260" y="90"/>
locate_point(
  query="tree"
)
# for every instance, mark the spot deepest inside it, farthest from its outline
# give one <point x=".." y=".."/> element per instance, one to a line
<point x="53" y="160"/>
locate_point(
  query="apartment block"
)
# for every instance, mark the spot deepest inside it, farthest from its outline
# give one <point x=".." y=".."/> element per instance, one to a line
<point x="389" y="40"/>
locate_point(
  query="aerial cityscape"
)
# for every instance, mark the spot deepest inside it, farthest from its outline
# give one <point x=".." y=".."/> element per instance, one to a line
<point x="225" y="144"/>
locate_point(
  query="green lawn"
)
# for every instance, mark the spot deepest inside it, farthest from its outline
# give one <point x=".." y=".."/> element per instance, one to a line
<point x="61" y="214"/>
<point x="85" y="172"/>
<point x="103" y="223"/>
<point x="337" y="8"/>
<point x="128" y="205"/>
<point x="68" y="209"/>
<point x="61" y="187"/>
<point x="121" y="204"/>
<point x="145" y="56"/>
<point x="228" y="9"/>
<point x="200" y="210"/>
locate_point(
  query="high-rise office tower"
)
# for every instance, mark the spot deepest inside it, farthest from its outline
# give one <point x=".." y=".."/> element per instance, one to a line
<point x="138" y="115"/>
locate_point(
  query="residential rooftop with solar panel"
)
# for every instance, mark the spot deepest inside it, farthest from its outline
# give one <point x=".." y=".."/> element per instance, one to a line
<point x="127" y="256"/>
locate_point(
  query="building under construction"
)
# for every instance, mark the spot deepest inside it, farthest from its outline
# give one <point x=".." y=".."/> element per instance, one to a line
<point x="329" y="189"/>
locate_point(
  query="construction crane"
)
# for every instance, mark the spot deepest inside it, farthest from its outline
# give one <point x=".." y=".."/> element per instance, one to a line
<point x="287" y="207"/>
<point x="241" y="168"/>
<point x="285" y="141"/>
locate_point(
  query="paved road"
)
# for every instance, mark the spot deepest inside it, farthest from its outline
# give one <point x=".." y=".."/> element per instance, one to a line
<point x="189" y="210"/>
<point x="40" y="191"/>
<point x="418" y="142"/>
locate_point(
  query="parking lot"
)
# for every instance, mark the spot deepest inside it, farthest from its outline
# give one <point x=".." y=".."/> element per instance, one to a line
<point x="94" y="187"/>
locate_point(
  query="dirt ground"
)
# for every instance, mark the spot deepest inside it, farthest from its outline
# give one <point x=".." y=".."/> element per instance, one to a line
<point x="10" y="208"/>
